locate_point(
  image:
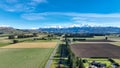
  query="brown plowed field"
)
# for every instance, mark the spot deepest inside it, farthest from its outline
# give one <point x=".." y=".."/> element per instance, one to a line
<point x="87" y="50"/>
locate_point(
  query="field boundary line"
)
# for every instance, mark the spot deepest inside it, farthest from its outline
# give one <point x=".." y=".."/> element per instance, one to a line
<point x="49" y="62"/>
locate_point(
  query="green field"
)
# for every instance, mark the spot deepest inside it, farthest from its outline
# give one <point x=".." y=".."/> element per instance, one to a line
<point x="24" y="58"/>
<point x="96" y="38"/>
<point x="4" y="44"/>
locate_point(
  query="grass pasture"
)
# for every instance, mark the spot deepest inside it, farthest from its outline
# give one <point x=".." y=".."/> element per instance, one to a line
<point x="3" y="44"/>
<point x="4" y="41"/>
<point x="24" y="58"/>
<point x="26" y="54"/>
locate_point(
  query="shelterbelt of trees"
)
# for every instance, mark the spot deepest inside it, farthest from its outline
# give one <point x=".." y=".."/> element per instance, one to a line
<point x="22" y="36"/>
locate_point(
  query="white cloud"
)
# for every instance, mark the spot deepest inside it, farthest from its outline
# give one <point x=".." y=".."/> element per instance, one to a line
<point x="79" y="15"/>
<point x="76" y="19"/>
<point x="53" y="26"/>
<point x="20" y="5"/>
<point x="113" y="15"/>
<point x="34" y="28"/>
<point x="57" y="26"/>
<point x="32" y="17"/>
<point x="74" y="25"/>
<point x="4" y="25"/>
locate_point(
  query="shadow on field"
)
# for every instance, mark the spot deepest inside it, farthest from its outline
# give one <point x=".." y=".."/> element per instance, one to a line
<point x="61" y="57"/>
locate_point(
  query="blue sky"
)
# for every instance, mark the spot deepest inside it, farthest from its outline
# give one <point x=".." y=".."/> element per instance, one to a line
<point x="30" y="14"/>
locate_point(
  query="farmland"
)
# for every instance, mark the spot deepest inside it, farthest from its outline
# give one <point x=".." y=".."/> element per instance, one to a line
<point x="99" y="52"/>
<point x="24" y="58"/>
<point x="27" y="53"/>
<point x="86" y="50"/>
<point x="97" y="49"/>
<point x="4" y="41"/>
<point x="34" y="52"/>
<point x="32" y="45"/>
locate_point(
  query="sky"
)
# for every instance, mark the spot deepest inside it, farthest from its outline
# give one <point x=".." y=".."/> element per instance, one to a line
<point x="33" y="14"/>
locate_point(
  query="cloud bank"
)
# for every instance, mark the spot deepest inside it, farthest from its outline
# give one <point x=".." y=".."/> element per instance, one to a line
<point x="20" y="5"/>
<point x="76" y="18"/>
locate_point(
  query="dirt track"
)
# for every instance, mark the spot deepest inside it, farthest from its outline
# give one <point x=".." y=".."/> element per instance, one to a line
<point x="32" y="45"/>
<point x="87" y="50"/>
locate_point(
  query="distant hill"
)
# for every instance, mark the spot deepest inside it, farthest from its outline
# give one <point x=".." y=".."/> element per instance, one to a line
<point x="82" y="30"/>
<point x="7" y="30"/>
<point x="10" y="30"/>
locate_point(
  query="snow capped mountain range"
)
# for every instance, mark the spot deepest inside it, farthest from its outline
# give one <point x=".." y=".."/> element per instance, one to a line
<point x="83" y="28"/>
<point x="76" y="25"/>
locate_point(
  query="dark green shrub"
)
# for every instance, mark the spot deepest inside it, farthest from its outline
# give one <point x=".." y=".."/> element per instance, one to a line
<point x="15" y="41"/>
<point x="35" y="34"/>
<point x="11" y="37"/>
<point x="79" y="39"/>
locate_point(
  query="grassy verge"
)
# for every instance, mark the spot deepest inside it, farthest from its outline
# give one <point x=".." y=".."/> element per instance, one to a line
<point x="117" y="61"/>
<point x="55" y="61"/>
<point x="96" y="38"/>
<point x="116" y="43"/>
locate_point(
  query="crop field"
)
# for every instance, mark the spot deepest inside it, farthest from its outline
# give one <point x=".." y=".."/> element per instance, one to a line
<point x="3" y="44"/>
<point x="26" y="55"/>
<point x="32" y="45"/>
<point x="86" y="50"/>
<point x="97" y="50"/>
<point x="4" y="40"/>
<point x="24" y="58"/>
